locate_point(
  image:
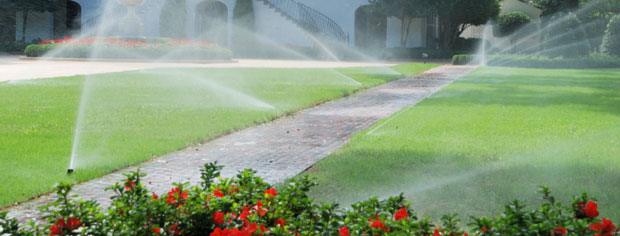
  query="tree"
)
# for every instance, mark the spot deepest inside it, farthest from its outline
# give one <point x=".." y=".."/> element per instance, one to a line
<point x="551" y="7"/>
<point x="456" y="15"/>
<point x="595" y="15"/>
<point x="611" y="41"/>
<point x="173" y="18"/>
<point x="25" y="6"/>
<point x="510" y="24"/>
<point x="565" y="37"/>
<point x="404" y="10"/>
<point x="243" y="22"/>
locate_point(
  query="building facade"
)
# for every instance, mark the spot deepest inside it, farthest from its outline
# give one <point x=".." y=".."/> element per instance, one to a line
<point x="212" y="20"/>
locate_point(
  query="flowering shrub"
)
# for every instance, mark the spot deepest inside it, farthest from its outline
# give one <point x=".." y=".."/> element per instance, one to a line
<point x="128" y="48"/>
<point x="245" y="205"/>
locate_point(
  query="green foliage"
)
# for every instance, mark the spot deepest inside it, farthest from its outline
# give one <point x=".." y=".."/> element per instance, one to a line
<point x="13" y="47"/>
<point x="416" y="53"/>
<point x="246" y="205"/>
<point x="565" y="37"/>
<point x="551" y="7"/>
<point x="462" y="59"/>
<point x="509" y="22"/>
<point x="611" y="41"/>
<point x="173" y="19"/>
<point x="594" y="60"/>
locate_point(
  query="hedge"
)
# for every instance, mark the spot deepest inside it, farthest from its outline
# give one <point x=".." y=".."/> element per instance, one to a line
<point x="594" y="60"/>
<point x="246" y="205"/>
<point x="145" y="49"/>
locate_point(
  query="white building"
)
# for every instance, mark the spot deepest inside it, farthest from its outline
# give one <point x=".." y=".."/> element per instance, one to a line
<point x="279" y="21"/>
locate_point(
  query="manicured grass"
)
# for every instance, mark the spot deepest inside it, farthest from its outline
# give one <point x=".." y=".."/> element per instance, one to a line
<point x="132" y="116"/>
<point x="487" y="139"/>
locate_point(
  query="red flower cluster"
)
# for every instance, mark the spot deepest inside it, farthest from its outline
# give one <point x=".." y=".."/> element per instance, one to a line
<point x="230" y="232"/>
<point x="401" y="214"/>
<point x="606" y="227"/>
<point x="269" y="193"/>
<point x="174" y="195"/>
<point x="344" y="231"/>
<point x="61" y="225"/>
<point x="590" y="209"/>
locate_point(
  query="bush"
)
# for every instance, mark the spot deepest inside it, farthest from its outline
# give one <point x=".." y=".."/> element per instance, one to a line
<point x="566" y="38"/>
<point x="416" y="53"/>
<point x="13" y="47"/>
<point x="145" y="49"/>
<point x="509" y="22"/>
<point x="594" y="60"/>
<point x="462" y="59"/>
<point x="245" y="205"/>
<point x="611" y="41"/>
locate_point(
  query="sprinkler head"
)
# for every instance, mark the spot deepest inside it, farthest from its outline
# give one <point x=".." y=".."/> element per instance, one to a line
<point x="69" y="171"/>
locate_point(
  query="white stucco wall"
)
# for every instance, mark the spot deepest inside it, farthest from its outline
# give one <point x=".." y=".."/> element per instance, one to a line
<point x="275" y="28"/>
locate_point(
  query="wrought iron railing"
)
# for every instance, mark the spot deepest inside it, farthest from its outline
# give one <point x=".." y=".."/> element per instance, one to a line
<point x="311" y="20"/>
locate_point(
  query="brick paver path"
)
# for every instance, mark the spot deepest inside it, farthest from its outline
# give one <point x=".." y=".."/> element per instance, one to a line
<point x="278" y="150"/>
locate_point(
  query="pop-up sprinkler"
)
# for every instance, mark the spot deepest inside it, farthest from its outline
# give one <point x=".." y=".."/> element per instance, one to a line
<point x="69" y="171"/>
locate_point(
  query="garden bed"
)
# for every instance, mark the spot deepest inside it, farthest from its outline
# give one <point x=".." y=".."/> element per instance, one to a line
<point x="153" y="49"/>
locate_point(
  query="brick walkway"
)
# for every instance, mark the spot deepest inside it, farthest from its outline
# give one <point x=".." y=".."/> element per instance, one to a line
<point x="278" y="150"/>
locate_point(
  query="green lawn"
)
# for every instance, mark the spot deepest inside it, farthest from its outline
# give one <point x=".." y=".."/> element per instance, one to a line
<point x="132" y="116"/>
<point x="487" y="139"/>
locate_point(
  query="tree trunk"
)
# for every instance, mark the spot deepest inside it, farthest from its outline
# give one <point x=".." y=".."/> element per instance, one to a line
<point x="24" y="24"/>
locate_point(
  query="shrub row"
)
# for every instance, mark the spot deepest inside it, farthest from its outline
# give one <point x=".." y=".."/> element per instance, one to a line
<point x="127" y="48"/>
<point x="114" y="52"/>
<point x="245" y="205"/>
<point x="593" y="60"/>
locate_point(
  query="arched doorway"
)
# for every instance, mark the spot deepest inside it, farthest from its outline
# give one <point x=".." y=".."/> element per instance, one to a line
<point x="211" y="22"/>
<point x="370" y="28"/>
<point x="73" y="20"/>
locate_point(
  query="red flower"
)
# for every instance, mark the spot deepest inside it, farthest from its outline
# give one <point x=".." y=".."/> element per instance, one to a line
<point x="218" y="193"/>
<point x="155" y="230"/>
<point x="269" y="193"/>
<point x="558" y="231"/>
<point x="606" y="227"/>
<point x="437" y="232"/>
<point x="344" y="231"/>
<point x="61" y="223"/>
<point x="155" y="197"/>
<point x="484" y="229"/>
<point x="174" y="195"/>
<point x="280" y="222"/>
<point x="401" y="214"/>
<point x="259" y="208"/>
<point x="129" y="185"/>
<point x="74" y="223"/>
<point x="377" y="224"/>
<point x="218" y="218"/>
<point x="173" y="229"/>
<point x="250" y="227"/>
<point x="244" y="213"/>
<point x="262" y="228"/>
<point x="591" y="210"/>
<point x="54" y="230"/>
